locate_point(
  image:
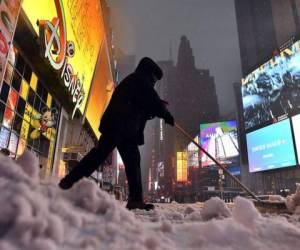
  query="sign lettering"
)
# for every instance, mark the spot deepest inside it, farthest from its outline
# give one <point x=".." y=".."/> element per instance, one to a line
<point x="57" y="50"/>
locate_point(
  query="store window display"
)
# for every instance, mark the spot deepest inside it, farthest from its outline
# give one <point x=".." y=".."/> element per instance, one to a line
<point x="29" y="115"/>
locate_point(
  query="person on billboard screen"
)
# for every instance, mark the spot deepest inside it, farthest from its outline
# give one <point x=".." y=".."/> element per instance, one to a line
<point x="133" y="102"/>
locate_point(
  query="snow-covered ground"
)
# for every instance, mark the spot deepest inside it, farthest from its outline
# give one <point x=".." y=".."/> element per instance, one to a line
<point x="35" y="216"/>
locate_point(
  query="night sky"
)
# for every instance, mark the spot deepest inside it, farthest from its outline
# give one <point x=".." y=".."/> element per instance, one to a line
<point x="151" y="27"/>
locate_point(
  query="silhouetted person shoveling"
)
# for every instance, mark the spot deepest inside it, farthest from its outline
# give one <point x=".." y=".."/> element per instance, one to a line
<point x="133" y="102"/>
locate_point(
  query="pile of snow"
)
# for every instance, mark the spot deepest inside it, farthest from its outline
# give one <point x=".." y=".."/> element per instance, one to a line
<point x="293" y="201"/>
<point x="276" y="198"/>
<point x="29" y="163"/>
<point x="215" y="208"/>
<point x="35" y="216"/>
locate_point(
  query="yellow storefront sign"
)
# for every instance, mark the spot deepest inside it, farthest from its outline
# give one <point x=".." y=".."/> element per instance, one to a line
<point x="74" y="30"/>
<point x="101" y="92"/>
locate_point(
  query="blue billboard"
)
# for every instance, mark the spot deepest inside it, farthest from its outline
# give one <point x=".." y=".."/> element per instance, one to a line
<point x="234" y="170"/>
<point x="271" y="147"/>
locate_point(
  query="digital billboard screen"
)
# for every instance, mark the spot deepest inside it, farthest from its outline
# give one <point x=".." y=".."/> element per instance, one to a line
<point x="220" y="140"/>
<point x="272" y="92"/>
<point x="193" y="154"/>
<point x="182" y="167"/>
<point x="296" y="130"/>
<point x="271" y="147"/>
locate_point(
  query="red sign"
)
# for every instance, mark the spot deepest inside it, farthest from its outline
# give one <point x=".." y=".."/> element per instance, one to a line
<point x="9" y="12"/>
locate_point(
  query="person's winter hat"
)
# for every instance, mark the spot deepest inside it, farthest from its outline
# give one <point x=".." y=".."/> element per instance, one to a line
<point x="148" y="66"/>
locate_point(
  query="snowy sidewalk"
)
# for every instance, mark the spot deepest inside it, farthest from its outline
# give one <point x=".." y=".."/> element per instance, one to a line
<point x="42" y="217"/>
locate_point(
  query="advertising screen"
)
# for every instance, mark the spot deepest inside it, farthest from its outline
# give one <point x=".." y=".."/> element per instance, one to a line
<point x="181" y="167"/>
<point x="193" y="154"/>
<point x="272" y="92"/>
<point x="271" y="147"/>
<point x="220" y="140"/>
<point x="73" y="32"/>
<point x="296" y="129"/>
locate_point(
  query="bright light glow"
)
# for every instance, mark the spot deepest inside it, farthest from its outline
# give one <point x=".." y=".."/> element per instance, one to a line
<point x="181" y="166"/>
<point x="84" y="27"/>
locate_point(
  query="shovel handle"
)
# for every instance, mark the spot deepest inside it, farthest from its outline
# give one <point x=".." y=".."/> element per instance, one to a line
<point x="246" y="189"/>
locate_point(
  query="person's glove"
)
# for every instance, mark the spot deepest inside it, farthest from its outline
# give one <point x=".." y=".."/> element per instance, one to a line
<point x="169" y="119"/>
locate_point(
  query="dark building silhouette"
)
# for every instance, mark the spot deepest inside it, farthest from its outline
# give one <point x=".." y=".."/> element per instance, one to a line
<point x="192" y="99"/>
<point x="195" y="98"/>
<point x="256" y="32"/>
<point x="263" y="26"/>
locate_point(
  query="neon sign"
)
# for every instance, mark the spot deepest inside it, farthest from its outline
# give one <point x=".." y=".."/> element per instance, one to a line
<point x="58" y="50"/>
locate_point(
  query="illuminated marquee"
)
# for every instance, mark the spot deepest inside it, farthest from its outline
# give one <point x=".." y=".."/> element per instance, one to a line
<point x="181" y="166"/>
<point x="57" y="50"/>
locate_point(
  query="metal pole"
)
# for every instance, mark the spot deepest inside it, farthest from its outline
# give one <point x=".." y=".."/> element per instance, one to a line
<point x="217" y="163"/>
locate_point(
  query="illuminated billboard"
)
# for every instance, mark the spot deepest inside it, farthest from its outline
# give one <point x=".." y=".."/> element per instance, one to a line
<point x="101" y="91"/>
<point x="71" y="33"/>
<point x="193" y="154"/>
<point x="271" y="147"/>
<point x="296" y="129"/>
<point x="220" y="141"/>
<point x="181" y="167"/>
<point x="272" y="92"/>
<point x="9" y="10"/>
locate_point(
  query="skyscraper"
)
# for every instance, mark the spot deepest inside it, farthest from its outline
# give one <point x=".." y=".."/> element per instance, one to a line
<point x="195" y="97"/>
<point x="192" y="98"/>
<point x="263" y="26"/>
<point x="256" y="32"/>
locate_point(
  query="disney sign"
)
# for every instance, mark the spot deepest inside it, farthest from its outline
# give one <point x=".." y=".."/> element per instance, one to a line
<point x="58" y="50"/>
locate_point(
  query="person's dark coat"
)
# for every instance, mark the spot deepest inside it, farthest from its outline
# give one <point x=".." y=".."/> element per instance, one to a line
<point x="133" y="102"/>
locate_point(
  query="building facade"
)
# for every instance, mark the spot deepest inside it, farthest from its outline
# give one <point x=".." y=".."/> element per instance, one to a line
<point x="52" y="78"/>
<point x="264" y="26"/>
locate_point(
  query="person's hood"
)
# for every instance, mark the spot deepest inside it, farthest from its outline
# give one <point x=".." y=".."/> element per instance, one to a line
<point x="148" y="68"/>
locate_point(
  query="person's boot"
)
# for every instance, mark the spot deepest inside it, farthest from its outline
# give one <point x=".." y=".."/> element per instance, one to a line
<point x="65" y="183"/>
<point x="139" y="205"/>
<point x="70" y="179"/>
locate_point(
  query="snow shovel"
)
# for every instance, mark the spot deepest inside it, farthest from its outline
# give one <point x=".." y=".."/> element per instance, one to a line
<point x="262" y="205"/>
